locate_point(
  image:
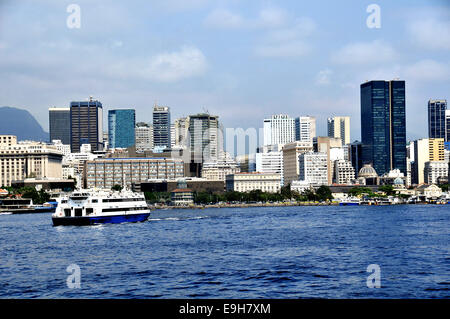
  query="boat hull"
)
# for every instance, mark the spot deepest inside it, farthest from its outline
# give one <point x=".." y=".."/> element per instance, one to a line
<point x="348" y="204"/>
<point x="95" y="220"/>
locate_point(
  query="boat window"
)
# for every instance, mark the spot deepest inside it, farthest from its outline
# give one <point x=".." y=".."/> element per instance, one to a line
<point x="67" y="212"/>
<point x="64" y="201"/>
<point x="89" y="211"/>
<point x="95" y="200"/>
<point x="78" y="212"/>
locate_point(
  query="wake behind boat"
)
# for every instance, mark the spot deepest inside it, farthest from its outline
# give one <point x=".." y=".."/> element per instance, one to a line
<point x="90" y="207"/>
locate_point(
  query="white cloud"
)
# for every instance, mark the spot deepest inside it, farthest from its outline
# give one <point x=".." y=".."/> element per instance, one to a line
<point x="428" y="70"/>
<point x="271" y="17"/>
<point x="302" y="27"/>
<point x="430" y="33"/>
<point x="365" y="53"/>
<point x="224" y="19"/>
<point x="288" y="49"/>
<point x="164" y="67"/>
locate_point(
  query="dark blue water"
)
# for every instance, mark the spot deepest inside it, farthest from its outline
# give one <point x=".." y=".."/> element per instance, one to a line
<point x="291" y="252"/>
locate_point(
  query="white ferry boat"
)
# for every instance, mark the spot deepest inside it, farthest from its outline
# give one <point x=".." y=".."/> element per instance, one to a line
<point x="351" y="201"/>
<point x="90" y="207"/>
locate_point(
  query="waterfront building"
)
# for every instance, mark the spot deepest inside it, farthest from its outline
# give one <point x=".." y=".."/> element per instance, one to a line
<point x="144" y="137"/>
<point x="436" y="118"/>
<point x="121" y="128"/>
<point x="313" y="168"/>
<point x="300" y="186"/>
<point x="291" y="152"/>
<point x="246" y="182"/>
<point x="339" y="127"/>
<point x="426" y="150"/>
<point x="59" y="124"/>
<point x="392" y="177"/>
<point x="182" y="195"/>
<point x="107" y="172"/>
<point x="435" y="170"/>
<point x="367" y="175"/>
<point x="168" y="185"/>
<point x="22" y="160"/>
<point x="383" y="125"/>
<point x="218" y="170"/>
<point x="86" y="125"/>
<point x="161" y="127"/>
<point x="205" y="138"/>
<point x="344" y="172"/>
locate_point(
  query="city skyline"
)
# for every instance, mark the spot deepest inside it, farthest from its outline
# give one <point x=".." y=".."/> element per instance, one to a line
<point x="275" y="61"/>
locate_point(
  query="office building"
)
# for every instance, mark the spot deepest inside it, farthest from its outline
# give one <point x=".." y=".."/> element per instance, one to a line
<point x="291" y="152"/>
<point x="383" y="125"/>
<point x="217" y="171"/>
<point x="447" y="126"/>
<point x="313" y="168"/>
<point x="344" y="172"/>
<point x="333" y="149"/>
<point x="205" y="138"/>
<point x="161" y="127"/>
<point x="19" y="161"/>
<point x="279" y="129"/>
<point x="355" y="155"/>
<point x="107" y="172"/>
<point x="86" y="125"/>
<point x="144" y="137"/>
<point x="305" y="128"/>
<point x="121" y="128"/>
<point x="339" y="127"/>
<point x="181" y="128"/>
<point x="59" y="124"/>
<point x="425" y="150"/>
<point x="247" y="182"/>
<point x="436" y="118"/>
<point x="434" y="170"/>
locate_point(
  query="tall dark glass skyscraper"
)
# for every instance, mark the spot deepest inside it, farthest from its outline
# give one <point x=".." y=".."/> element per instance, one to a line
<point x="86" y="125"/>
<point x="161" y="126"/>
<point x="436" y="118"/>
<point x="59" y="124"/>
<point x="383" y="125"/>
<point x="121" y="126"/>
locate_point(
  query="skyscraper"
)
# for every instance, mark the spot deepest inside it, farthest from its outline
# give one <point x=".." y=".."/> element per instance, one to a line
<point x="339" y="127"/>
<point x="436" y="118"/>
<point x="59" y="124"/>
<point x="305" y="128"/>
<point x="383" y="125"/>
<point x="204" y="138"/>
<point x="121" y="128"/>
<point x="86" y="125"/>
<point x="279" y="129"/>
<point x="161" y="126"/>
<point x="447" y="125"/>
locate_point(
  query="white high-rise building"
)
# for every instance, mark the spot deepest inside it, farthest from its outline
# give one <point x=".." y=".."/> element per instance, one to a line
<point x="270" y="162"/>
<point x="344" y="172"/>
<point x="305" y="128"/>
<point x="434" y="170"/>
<point x="313" y="168"/>
<point x="144" y="137"/>
<point x="279" y="129"/>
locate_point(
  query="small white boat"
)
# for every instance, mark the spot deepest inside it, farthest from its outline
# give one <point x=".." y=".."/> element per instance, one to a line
<point x="350" y="202"/>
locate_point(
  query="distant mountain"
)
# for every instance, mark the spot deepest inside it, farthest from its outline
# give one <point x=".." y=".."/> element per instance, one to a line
<point x="14" y="121"/>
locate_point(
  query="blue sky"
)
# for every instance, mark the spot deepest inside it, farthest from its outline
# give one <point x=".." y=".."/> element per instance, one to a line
<point x="241" y="60"/>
